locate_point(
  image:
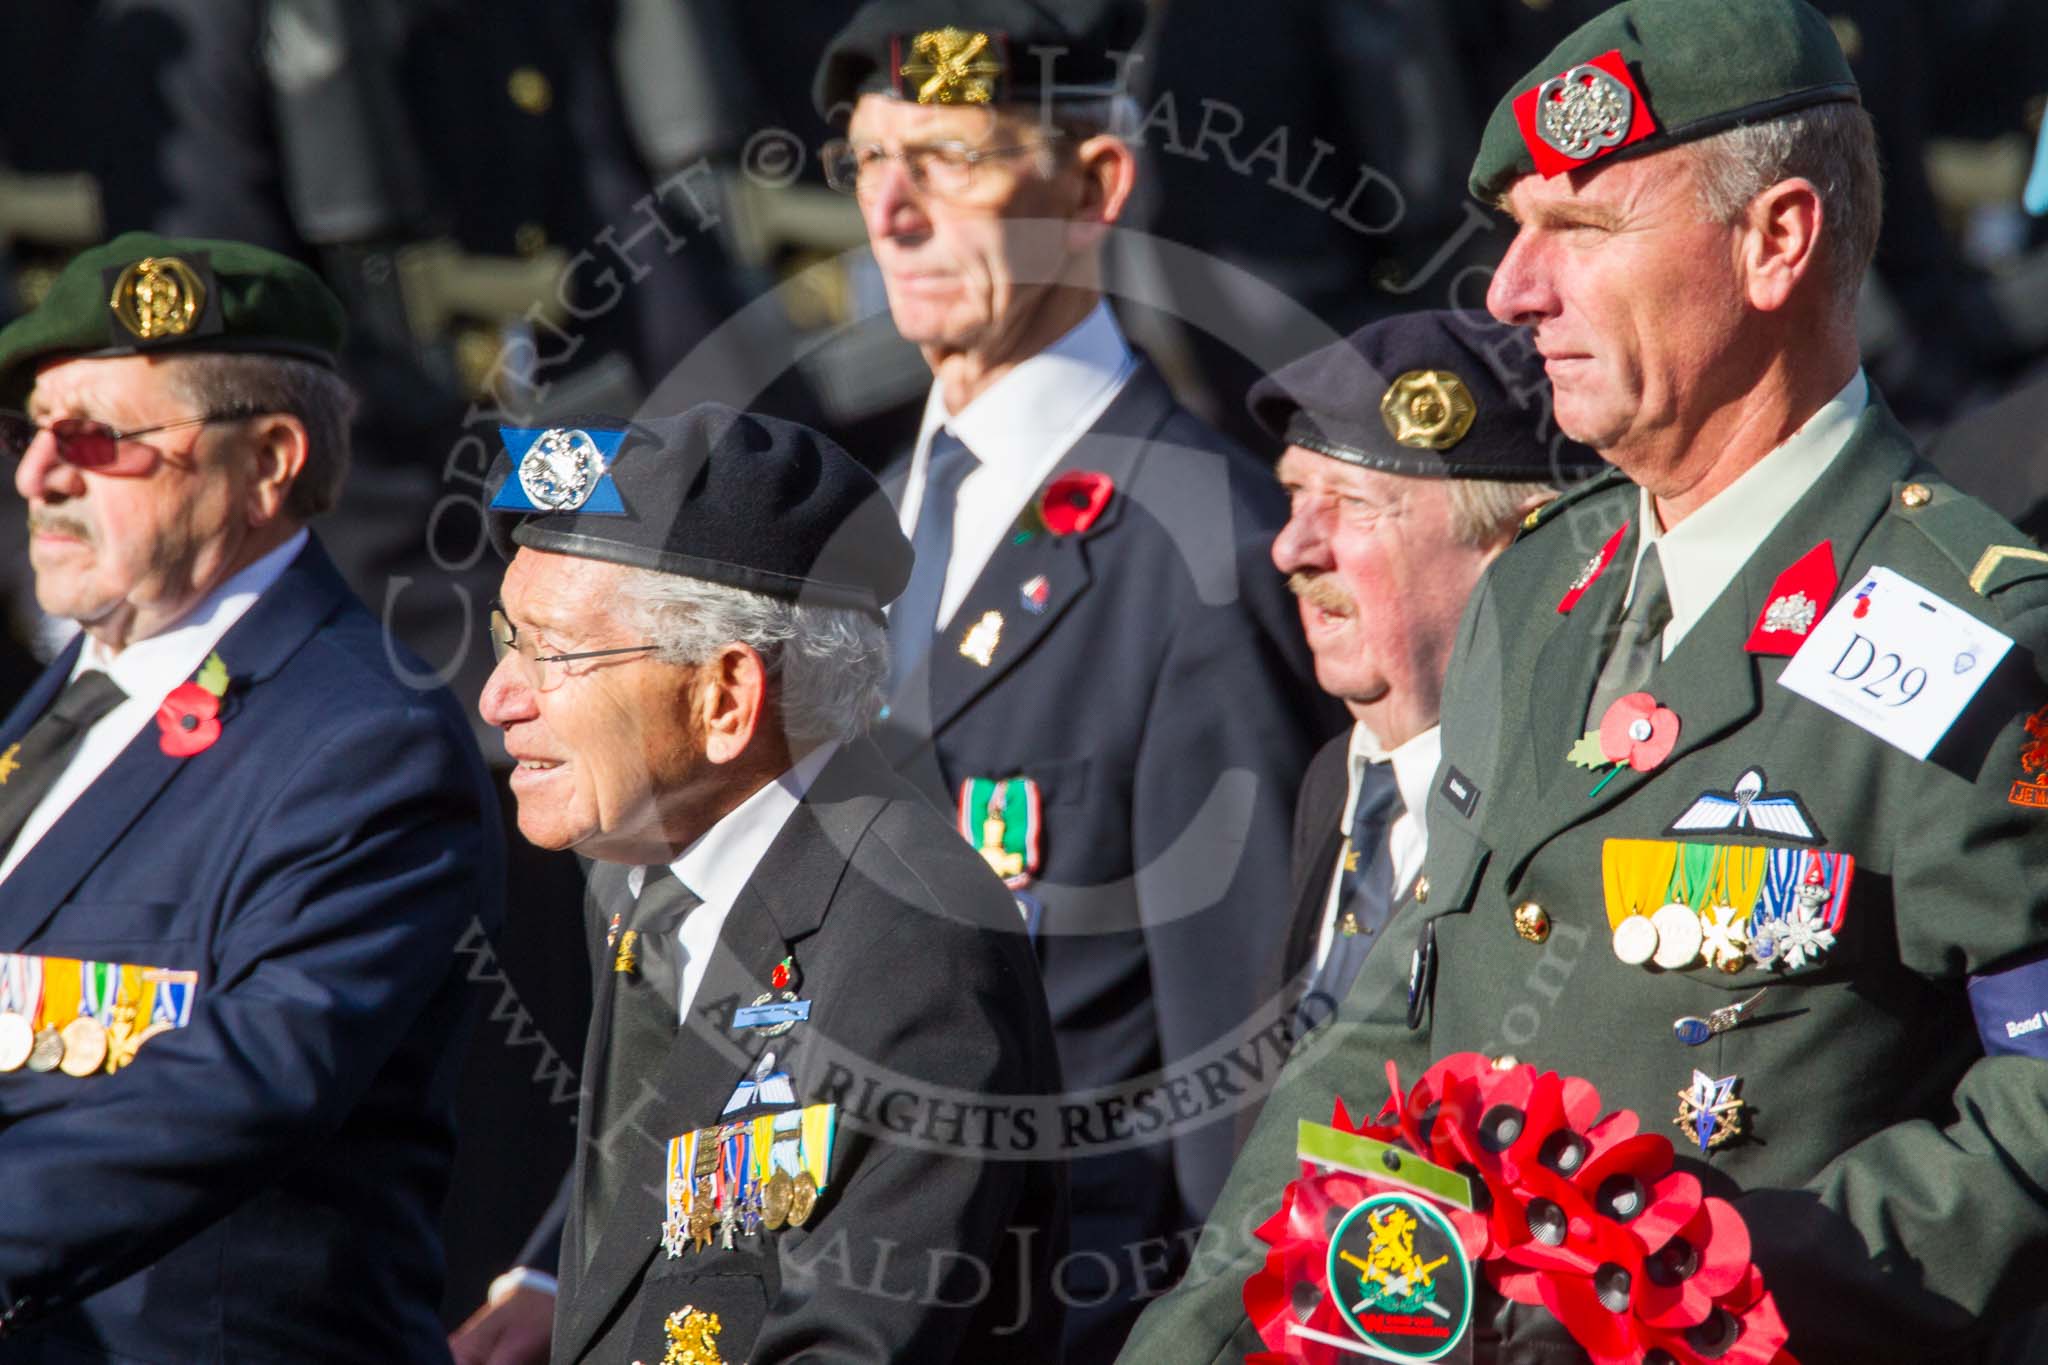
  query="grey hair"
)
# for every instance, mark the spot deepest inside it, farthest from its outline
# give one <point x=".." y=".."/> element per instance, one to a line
<point x="1486" y="512"/>
<point x="830" y="663"/>
<point x="321" y="399"/>
<point x="1833" y="147"/>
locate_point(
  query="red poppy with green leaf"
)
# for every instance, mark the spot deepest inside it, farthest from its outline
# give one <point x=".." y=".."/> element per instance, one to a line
<point x="188" y="721"/>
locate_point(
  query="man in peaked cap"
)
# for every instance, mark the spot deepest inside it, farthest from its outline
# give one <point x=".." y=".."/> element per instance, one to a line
<point x="1685" y="784"/>
<point x="237" y="853"/>
<point x="1414" y="449"/>
<point x="817" y="1020"/>
<point x="1095" y="670"/>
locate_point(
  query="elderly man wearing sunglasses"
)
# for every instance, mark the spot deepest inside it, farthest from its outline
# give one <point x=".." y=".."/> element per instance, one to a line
<point x="236" y="852"/>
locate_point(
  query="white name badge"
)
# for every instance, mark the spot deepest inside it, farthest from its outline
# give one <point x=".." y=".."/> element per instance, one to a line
<point x="1896" y="660"/>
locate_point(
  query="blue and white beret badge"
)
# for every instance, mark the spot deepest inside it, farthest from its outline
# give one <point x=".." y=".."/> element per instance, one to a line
<point x="561" y="469"/>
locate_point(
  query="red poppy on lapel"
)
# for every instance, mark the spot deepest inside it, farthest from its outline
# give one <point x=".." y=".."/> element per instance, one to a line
<point x="1072" y="502"/>
<point x="1638" y="732"/>
<point x="188" y="722"/>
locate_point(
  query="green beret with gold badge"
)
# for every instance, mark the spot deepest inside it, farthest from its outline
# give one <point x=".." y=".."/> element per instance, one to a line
<point x="987" y="52"/>
<point x="142" y="294"/>
<point x="1650" y="74"/>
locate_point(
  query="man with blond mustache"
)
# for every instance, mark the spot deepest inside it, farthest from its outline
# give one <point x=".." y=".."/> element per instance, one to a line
<point x="1749" y="826"/>
<point x="1392" y="521"/>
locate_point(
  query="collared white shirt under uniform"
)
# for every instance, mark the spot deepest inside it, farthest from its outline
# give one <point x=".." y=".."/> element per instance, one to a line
<point x="148" y="670"/>
<point x="1702" y="554"/>
<point x="722" y="858"/>
<point x="1018" y="430"/>
<point x="1408" y="838"/>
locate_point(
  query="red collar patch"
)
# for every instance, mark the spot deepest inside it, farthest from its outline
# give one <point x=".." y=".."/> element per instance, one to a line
<point x="1594" y="568"/>
<point x="1795" y="603"/>
<point x="1578" y="116"/>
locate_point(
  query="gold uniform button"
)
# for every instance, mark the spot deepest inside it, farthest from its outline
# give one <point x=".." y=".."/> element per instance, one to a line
<point x="1532" y="921"/>
<point x="530" y="90"/>
<point x="1914" y="495"/>
<point x="1507" y="1061"/>
<point x="1421" y="890"/>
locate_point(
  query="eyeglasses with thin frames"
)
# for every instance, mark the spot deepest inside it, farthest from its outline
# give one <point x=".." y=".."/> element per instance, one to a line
<point x="506" y="639"/>
<point x="98" y="448"/>
<point x="944" y="169"/>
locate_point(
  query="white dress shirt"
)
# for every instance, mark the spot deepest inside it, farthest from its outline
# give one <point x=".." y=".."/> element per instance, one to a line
<point x="1408" y="839"/>
<point x="148" y="671"/>
<point x="723" y="857"/>
<point x="1702" y="554"/>
<point x="1018" y="430"/>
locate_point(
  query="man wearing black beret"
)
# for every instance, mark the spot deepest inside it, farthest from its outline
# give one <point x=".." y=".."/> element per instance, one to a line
<point x="804" y="982"/>
<point x="1095" y="670"/>
<point x="1415" y="448"/>
<point x="237" y="853"/>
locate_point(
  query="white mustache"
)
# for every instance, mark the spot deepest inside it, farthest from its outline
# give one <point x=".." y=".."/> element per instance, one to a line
<point x="40" y="522"/>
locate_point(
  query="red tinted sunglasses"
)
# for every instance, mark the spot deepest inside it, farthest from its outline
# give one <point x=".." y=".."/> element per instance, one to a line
<point x="94" y="446"/>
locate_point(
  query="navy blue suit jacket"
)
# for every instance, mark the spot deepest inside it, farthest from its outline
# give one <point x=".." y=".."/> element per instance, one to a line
<point x="1164" y="702"/>
<point x="265" y="1183"/>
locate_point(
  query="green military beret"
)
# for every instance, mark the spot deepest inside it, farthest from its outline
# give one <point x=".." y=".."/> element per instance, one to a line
<point x="142" y="294"/>
<point x="1649" y="74"/>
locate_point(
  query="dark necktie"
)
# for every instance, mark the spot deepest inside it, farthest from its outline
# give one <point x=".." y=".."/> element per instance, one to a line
<point x="915" y="617"/>
<point x="1366" y="896"/>
<point x="1638" y="640"/>
<point x="640" y="1023"/>
<point x="30" y="768"/>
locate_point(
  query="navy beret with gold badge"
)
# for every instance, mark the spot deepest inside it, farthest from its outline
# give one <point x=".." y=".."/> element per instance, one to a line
<point x="730" y="497"/>
<point x="1449" y="394"/>
<point x="978" y="52"/>
<point x="142" y="294"/>
<point x="1649" y="74"/>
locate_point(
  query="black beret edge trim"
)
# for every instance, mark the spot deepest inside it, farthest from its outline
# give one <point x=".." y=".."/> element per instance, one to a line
<point x="766" y="582"/>
<point x="1441" y="468"/>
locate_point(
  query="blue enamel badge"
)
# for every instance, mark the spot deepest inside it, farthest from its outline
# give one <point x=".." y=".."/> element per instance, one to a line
<point x="561" y="469"/>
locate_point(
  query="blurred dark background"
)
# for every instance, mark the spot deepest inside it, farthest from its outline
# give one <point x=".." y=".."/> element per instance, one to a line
<point x="533" y="209"/>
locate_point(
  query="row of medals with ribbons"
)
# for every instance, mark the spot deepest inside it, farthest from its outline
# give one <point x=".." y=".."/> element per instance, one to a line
<point x="742" y="1177"/>
<point x="1675" y="905"/>
<point x="80" y="1017"/>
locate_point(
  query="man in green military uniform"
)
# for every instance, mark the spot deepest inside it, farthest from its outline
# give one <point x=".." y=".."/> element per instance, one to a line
<point x="1767" y="719"/>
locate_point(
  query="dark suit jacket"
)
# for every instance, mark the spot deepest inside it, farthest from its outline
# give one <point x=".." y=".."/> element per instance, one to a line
<point x="265" y="1183"/>
<point x="1165" y="705"/>
<point x="1318" y="840"/>
<point x="934" y="1239"/>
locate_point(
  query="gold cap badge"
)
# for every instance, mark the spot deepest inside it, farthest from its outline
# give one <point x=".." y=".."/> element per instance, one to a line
<point x="158" y="296"/>
<point x="953" y="66"/>
<point x="1428" y="409"/>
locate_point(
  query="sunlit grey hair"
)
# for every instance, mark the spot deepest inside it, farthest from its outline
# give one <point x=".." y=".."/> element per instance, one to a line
<point x="316" y="395"/>
<point x="1830" y="145"/>
<point x="1488" y="512"/>
<point x="829" y="663"/>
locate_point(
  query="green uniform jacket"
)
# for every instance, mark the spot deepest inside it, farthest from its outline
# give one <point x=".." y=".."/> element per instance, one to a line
<point x="1893" y="1175"/>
